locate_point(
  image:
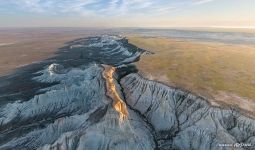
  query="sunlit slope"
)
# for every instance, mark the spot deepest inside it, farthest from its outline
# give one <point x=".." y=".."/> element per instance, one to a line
<point x="223" y="73"/>
<point x="118" y="103"/>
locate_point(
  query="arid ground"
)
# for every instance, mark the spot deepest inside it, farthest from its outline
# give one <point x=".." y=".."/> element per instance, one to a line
<point x="23" y="46"/>
<point x="222" y="73"/>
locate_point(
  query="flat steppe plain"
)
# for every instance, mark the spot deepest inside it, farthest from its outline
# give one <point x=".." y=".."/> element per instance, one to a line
<point x="23" y="46"/>
<point x="222" y="73"/>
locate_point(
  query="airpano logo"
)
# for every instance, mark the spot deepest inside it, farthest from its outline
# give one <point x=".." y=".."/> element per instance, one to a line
<point x="236" y="145"/>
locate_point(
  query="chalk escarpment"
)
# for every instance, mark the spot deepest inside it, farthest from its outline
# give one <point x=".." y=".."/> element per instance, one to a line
<point x="75" y="109"/>
<point x="184" y="121"/>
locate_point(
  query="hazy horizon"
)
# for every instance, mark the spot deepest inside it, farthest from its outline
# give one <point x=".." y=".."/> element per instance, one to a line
<point x="127" y="13"/>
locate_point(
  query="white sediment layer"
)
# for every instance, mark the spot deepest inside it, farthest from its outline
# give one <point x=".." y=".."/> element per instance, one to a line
<point x="89" y="122"/>
<point x="184" y="121"/>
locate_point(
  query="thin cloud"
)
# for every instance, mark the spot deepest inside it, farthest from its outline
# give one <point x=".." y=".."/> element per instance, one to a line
<point x="102" y="7"/>
<point x="198" y="2"/>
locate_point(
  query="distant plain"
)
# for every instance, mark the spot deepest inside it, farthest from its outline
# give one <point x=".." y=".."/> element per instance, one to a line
<point x="223" y="73"/>
<point x="23" y="46"/>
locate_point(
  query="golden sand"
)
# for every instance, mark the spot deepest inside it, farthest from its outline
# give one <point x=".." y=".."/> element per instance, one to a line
<point x="118" y="103"/>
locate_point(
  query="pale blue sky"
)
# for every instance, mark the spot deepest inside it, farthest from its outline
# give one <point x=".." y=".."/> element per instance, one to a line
<point x="128" y="13"/>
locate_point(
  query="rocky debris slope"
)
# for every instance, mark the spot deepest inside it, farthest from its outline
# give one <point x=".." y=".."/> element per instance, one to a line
<point x="74" y="114"/>
<point x="184" y="121"/>
<point x="111" y="50"/>
<point x="70" y="97"/>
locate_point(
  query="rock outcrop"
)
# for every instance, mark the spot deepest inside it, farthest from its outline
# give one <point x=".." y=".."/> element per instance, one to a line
<point x="184" y="121"/>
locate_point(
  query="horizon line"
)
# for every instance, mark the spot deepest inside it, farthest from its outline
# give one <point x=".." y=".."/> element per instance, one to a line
<point x="148" y="27"/>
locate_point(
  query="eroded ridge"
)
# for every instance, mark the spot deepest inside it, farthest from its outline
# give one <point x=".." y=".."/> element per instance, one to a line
<point x="184" y="121"/>
<point x="118" y="103"/>
<point x="73" y="114"/>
